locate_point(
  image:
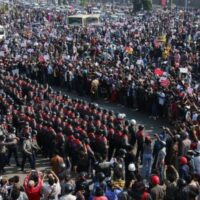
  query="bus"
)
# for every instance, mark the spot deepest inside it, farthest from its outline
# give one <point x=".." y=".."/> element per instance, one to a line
<point x="83" y="20"/>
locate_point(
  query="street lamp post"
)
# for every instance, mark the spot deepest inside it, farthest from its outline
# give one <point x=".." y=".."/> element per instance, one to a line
<point x="186" y="5"/>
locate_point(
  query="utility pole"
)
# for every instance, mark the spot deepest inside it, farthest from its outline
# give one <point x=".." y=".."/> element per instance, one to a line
<point x="186" y="5"/>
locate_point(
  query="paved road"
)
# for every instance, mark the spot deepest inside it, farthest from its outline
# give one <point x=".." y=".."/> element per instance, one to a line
<point x="151" y="127"/>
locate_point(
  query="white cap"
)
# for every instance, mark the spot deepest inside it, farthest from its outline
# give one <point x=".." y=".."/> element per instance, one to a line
<point x="133" y="121"/>
<point x="131" y="167"/>
<point x="121" y="116"/>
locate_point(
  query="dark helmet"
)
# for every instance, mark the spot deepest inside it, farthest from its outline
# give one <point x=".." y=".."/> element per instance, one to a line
<point x="34" y="132"/>
<point x="65" y="118"/>
<point x="54" y="113"/>
<point x="105" y="111"/>
<point x="74" y="100"/>
<point x="92" y="129"/>
<point x="58" y="92"/>
<point x="68" y="188"/>
<point x="87" y="140"/>
<point x="45" y="123"/>
<point x="86" y="117"/>
<point x="119" y="128"/>
<point x="110" y="125"/>
<point x="83" y="175"/>
<point x="141" y="127"/>
<point x="126" y="122"/>
<point x="66" y="96"/>
<point x="13" y="130"/>
<point x="101" y="176"/>
<point x="77" y="135"/>
<point x="69" y="120"/>
<point x="61" y="105"/>
<point x="104" y="121"/>
<point x="91" y="118"/>
<point x="122" y="153"/>
<point x="77" y="114"/>
<point x="181" y="183"/>
<point x="50" y="124"/>
<point x="104" y="132"/>
<point x="84" y="127"/>
<point x="111" y="112"/>
<point x="97" y="117"/>
<point x="60" y="129"/>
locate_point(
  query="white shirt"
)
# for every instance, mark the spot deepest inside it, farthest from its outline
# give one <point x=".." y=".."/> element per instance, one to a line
<point x="140" y="62"/>
<point x="161" y="98"/>
<point x="161" y="157"/>
<point x="50" y="70"/>
<point x="53" y="190"/>
<point x="194" y="117"/>
<point x="68" y="197"/>
<point x="71" y="76"/>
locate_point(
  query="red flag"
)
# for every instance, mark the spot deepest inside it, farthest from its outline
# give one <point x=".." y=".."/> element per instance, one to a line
<point x="158" y="72"/>
<point x="164" y="82"/>
<point x="41" y="59"/>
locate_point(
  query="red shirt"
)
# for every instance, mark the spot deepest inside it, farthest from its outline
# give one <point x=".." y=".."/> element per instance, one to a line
<point x="33" y="193"/>
<point x="100" y="198"/>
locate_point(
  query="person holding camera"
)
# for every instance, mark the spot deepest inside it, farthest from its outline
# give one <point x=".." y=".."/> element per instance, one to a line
<point x="52" y="188"/>
<point x="33" y="184"/>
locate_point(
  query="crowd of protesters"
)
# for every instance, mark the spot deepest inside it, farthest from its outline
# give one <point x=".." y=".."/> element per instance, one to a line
<point x="95" y="153"/>
<point x="125" y="61"/>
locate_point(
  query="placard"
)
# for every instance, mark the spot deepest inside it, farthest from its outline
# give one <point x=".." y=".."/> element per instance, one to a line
<point x="15" y="71"/>
<point x="2" y="54"/>
<point x="183" y="70"/>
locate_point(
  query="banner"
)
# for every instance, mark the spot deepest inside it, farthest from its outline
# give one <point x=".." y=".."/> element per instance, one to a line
<point x="164" y="3"/>
<point x="15" y="71"/>
<point x="2" y="54"/>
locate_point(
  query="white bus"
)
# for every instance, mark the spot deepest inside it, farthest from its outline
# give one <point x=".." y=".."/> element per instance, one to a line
<point x="83" y="20"/>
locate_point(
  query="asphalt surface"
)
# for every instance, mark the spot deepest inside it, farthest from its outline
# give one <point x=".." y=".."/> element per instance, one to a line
<point x="42" y="164"/>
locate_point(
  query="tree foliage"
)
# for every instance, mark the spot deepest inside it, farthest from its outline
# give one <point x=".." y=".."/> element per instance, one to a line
<point x="139" y="4"/>
<point x="147" y="4"/>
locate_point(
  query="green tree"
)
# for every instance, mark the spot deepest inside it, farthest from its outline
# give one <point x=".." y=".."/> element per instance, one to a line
<point x="147" y="4"/>
<point x="83" y="2"/>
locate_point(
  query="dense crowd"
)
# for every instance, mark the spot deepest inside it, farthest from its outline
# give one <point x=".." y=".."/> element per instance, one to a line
<point x="96" y="153"/>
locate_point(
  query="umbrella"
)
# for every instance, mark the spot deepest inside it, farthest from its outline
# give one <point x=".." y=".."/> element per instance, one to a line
<point x="164" y="82"/>
<point x="158" y="72"/>
<point x="41" y="59"/>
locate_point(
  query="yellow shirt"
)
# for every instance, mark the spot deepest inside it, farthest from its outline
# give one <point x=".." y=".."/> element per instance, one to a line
<point x="94" y="85"/>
